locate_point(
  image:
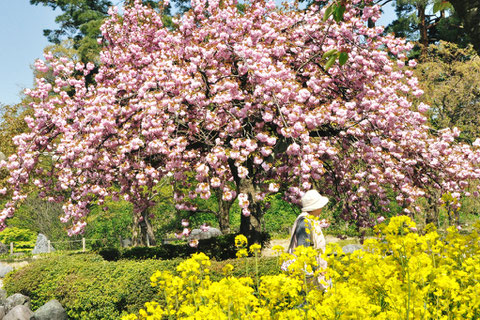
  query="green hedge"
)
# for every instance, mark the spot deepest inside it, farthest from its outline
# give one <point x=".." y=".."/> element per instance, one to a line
<point x="23" y="239"/>
<point x="218" y="248"/>
<point x="91" y="288"/>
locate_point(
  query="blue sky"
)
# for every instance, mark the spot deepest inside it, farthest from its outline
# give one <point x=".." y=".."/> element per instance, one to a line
<point x="21" y="36"/>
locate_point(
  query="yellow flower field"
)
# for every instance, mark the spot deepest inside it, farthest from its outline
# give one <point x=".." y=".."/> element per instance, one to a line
<point x="400" y="274"/>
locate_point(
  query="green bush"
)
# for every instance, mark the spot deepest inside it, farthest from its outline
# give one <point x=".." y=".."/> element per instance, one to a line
<point x="91" y="288"/>
<point x="86" y="285"/>
<point x="218" y="248"/>
<point x="110" y="254"/>
<point x="23" y="239"/>
<point x="163" y="252"/>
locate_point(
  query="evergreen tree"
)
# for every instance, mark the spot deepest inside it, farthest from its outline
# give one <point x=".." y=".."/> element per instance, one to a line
<point x="468" y="13"/>
<point x="80" y="21"/>
<point x="427" y="22"/>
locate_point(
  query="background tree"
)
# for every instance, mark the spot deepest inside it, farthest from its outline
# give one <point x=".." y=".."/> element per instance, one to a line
<point x="427" y="22"/>
<point x="450" y="77"/>
<point x="40" y="216"/>
<point x="11" y="125"/>
<point x="80" y="21"/>
<point x="468" y="12"/>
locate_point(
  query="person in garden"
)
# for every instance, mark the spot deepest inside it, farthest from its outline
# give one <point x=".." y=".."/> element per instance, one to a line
<point x="307" y="228"/>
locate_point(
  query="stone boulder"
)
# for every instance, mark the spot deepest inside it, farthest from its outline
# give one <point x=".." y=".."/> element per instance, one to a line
<point x="19" y="312"/>
<point x="16" y="299"/>
<point x="52" y="310"/>
<point x="3" y="296"/>
<point x="4" y="269"/>
<point x="199" y="234"/>
<point x="41" y="246"/>
<point x="3" y="248"/>
<point x="2" y="312"/>
<point x="126" y="243"/>
<point x="349" y="248"/>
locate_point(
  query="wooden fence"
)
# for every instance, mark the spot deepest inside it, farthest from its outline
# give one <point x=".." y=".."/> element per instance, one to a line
<point x="51" y="243"/>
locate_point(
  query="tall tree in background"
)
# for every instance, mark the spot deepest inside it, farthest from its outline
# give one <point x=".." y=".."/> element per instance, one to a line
<point x="80" y="21"/>
<point x="427" y="22"/>
<point x="450" y="77"/>
<point x="469" y="14"/>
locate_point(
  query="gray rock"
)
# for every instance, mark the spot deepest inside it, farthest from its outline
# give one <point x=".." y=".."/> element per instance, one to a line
<point x="349" y="248"/>
<point x="3" y="248"/>
<point x="4" y="269"/>
<point x="52" y="310"/>
<point x="3" y="297"/>
<point x="41" y="246"/>
<point x="2" y="312"/>
<point x="19" y="312"/>
<point x="16" y="300"/>
<point x="126" y="243"/>
<point x="198" y="234"/>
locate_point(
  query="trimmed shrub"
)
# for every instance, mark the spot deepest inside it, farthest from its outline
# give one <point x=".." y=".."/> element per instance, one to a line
<point x="218" y="248"/>
<point x="86" y="285"/>
<point x="23" y="239"/>
<point x="89" y="287"/>
<point x="163" y="252"/>
<point x="110" y="254"/>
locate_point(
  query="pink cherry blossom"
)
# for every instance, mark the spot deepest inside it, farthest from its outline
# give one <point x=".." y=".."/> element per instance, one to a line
<point x="233" y="98"/>
<point x="193" y="243"/>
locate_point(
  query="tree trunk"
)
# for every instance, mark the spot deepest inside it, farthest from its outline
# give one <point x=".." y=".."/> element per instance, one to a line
<point x="431" y="216"/>
<point x="370" y="23"/>
<point x="251" y="226"/>
<point x="422" y="27"/>
<point x="223" y="214"/>
<point x="142" y="231"/>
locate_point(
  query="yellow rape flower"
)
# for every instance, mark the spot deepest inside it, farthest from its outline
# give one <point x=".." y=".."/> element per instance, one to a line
<point x="241" y="241"/>
<point x="227" y="269"/>
<point x="255" y="248"/>
<point x="399" y="275"/>
<point x="278" y="249"/>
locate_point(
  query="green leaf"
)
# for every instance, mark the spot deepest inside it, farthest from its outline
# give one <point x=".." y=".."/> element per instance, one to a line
<point x="329" y="11"/>
<point x="342" y="58"/>
<point x="329" y="53"/>
<point x="441" y="5"/>
<point x="338" y="14"/>
<point x="331" y="61"/>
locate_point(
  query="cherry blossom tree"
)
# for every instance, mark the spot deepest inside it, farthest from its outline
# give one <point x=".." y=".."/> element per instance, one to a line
<point x="253" y="101"/>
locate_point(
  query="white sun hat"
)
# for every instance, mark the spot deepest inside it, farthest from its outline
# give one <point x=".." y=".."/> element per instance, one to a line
<point x="312" y="200"/>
